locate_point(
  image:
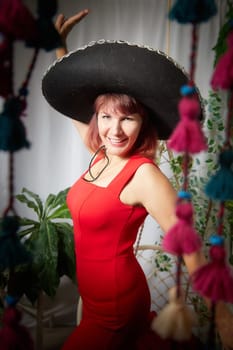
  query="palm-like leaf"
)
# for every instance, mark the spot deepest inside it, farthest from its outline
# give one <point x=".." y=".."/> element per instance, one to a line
<point x="50" y="241"/>
<point x="35" y="204"/>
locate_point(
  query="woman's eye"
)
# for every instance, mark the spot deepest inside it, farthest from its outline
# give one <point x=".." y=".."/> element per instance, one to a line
<point x="105" y="116"/>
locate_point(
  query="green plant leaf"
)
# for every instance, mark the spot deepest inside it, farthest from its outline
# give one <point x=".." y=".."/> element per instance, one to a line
<point x="36" y="205"/>
<point x="55" y="201"/>
<point x="50" y="243"/>
<point x="61" y="212"/>
<point x="60" y="198"/>
<point x="27" y="222"/>
<point x="27" y="227"/>
<point x="48" y="255"/>
<point x="66" y="257"/>
<point x="28" y="231"/>
<point x="49" y="201"/>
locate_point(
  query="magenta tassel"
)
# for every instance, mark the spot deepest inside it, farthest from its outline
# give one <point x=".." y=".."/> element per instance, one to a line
<point x="182" y="238"/>
<point x="12" y="334"/>
<point x="215" y="279"/>
<point x="223" y="73"/>
<point x="188" y="135"/>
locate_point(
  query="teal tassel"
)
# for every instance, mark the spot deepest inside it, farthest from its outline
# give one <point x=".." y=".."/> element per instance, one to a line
<point x="12" y="130"/>
<point x="12" y="252"/>
<point x="48" y="37"/>
<point x="193" y="11"/>
<point x="220" y="186"/>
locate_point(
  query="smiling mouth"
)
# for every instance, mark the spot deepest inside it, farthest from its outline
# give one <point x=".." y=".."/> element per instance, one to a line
<point x="116" y="141"/>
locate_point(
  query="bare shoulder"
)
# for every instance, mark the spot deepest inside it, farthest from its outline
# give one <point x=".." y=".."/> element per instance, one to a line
<point x="149" y="174"/>
<point x="147" y="181"/>
<point x="154" y="192"/>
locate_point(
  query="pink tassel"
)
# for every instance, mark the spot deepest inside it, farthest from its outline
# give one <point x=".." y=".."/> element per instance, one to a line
<point x="215" y="279"/>
<point x="223" y="74"/>
<point x="188" y="136"/>
<point x="12" y="334"/>
<point x="182" y="238"/>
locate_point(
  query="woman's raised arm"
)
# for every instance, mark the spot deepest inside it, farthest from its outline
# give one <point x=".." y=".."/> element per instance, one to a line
<point x="64" y="26"/>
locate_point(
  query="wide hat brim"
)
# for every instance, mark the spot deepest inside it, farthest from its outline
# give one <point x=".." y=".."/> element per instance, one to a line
<point x="72" y="83"/>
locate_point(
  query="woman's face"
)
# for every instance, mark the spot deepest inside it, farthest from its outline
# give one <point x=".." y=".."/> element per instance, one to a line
<point x="118" y="132"/>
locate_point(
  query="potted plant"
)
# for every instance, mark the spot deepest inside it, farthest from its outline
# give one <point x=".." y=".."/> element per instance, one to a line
<point x="49" y="240"/>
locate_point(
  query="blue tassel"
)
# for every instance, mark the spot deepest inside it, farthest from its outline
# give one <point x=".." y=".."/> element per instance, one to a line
<point x="193" y="11"/>
<point x="12" y="252"/>
<point x="12" y="130"/>
<point x="11" y="300"/>
<point x="220" y="186"/>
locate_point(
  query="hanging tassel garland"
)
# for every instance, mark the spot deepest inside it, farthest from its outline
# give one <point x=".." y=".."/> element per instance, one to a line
<point x="12" y="130"/>
<point x="220" y="186"/>
<point x="193" y="11"/>
<point x="12" y="252"/>
<point x="16" y="21"/>
<point x="223" y="75"/>
<point x="182" y="238"/>
<point x="48" y="37"/>
<point x="215" y="279"/>
<point x="13" y="335"/>
<point x="188" y="135"/>
<point x="6" y="64"/>
<point x="176" y="320"/>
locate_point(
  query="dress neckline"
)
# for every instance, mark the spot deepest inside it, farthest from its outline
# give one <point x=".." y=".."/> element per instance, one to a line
<point x="112" y="181"/>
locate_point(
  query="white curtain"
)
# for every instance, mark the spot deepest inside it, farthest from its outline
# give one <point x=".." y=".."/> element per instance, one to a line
<point x="57" y="157"/>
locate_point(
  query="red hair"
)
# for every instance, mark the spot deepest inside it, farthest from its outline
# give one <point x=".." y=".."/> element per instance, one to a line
<point x="147" y="139"/>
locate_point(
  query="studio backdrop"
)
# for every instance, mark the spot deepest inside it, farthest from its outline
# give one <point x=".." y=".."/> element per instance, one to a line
<point x="56" y="157"/>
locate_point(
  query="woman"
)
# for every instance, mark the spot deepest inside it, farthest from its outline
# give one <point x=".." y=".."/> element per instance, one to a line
<point x="122" y="185"/>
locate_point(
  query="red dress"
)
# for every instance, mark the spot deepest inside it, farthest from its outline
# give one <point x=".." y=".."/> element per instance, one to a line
<point x="113" y="287"/>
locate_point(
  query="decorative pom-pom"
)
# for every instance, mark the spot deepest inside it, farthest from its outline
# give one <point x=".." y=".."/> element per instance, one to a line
<point x="194" y="11"/>
<point x="188" y="135"/>
<point x="223" y="74"/>
<point x="12" y="130"/>
<point x="184" y="195"/>
<point x="12" y="252"/>
<point x="16" y="21"/>
<point x="13" y="335"/>
<point x="48" y="37"/>
<point x="215" y="279"/>
<point x="220" y="186"/>
<point x="176" y="320"/>
<point x="182" y="238"/>
<point x="187" y="90"/>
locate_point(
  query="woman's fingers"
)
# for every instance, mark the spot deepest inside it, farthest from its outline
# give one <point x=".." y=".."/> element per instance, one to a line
<point x="64" y="26"/>
<point x="59" y="22"/>
<point x="77" y="17"/>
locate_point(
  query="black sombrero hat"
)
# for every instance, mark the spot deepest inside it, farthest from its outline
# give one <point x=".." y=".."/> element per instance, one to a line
<point x="73" y="82"/>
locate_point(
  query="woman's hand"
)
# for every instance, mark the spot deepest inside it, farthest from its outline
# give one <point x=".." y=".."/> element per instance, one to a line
<point x="64" y="26"/>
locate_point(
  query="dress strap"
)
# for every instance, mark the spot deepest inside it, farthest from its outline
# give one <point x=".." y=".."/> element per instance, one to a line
<point x="127" y="173"/>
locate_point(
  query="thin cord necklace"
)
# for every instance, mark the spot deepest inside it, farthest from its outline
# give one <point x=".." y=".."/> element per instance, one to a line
<point x="93" y="178"/>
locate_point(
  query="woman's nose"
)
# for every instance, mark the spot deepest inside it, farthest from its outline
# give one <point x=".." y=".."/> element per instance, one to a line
<point x="116" y="128"/>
